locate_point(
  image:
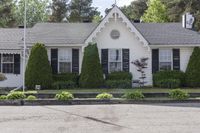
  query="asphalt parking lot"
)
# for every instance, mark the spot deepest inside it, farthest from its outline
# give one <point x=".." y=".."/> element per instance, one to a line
<point x="156" y="118"/>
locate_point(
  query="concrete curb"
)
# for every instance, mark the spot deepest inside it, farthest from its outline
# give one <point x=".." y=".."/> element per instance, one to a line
<point x="88" y="102"/>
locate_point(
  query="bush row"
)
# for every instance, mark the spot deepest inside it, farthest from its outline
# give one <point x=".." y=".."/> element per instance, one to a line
<point x="169" y="79"/>
<point x="176" y="94"/>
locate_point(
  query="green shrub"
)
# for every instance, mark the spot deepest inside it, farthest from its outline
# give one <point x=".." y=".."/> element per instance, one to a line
<point x="104" y="96"/>
<point x="166" y="76"/>
<point x="64" y="85"/>
<point x="3" y="97"/>
<point x="66" y="77"/>
<point x="119" y="76"/>
<point x="38" y="70"/>
<point x="16" y="95"/>
<point x="193" y="69"/>
<point x="31" y="98"/>
<point x="169" y="83"/>
<point x="2" y="77"/>
<point x="118" y="83"/>
<point x="64" y="96"/>
<point x="91" y="73"/>
<point x="178" y="94"/>
<point x="136" y="95"/>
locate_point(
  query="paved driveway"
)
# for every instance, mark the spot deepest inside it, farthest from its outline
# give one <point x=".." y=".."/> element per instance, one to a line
<point x="165" y="118"/>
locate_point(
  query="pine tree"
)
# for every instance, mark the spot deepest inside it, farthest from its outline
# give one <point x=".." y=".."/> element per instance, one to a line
<point x="156" y="12"/>
<point x="82" y="11"/>
<point x="91" y="73"/>
<point x="38" y="70"/>
<point x="59" y="10"/>
<point x="193" y="69"/>
<point x="7" y="8"/>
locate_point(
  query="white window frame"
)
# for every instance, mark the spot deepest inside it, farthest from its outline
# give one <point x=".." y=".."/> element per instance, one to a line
<point x="7" y="63"/>
<point x="64" y="49"/>
<point x="112" y="61"/>
<point x="171" y="60"/>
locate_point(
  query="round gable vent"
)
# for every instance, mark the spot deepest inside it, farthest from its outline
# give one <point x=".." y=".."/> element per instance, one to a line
<point x="115" y="34"/>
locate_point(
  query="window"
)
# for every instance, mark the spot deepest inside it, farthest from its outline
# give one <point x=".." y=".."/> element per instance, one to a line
<point x="115" y="60"/>
<point x="65" y="60"/>
<point x="7" y="63"/>
<point x="165" y="59"/>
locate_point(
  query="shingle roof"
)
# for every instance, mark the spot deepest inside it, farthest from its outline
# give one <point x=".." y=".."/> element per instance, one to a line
<point x="167" y="34"/>
<point x="76" y="33"/>
<point x="9" y="38"/>
<point x="60" y="33"/>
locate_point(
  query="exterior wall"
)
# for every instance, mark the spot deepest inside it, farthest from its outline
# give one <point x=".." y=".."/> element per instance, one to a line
<point x="13" y="80"/>
<point x="185" y="54"/>
<point x="127" y="40"/>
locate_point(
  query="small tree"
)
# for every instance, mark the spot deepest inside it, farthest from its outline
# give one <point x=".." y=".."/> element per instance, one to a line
<point x="2" y="77"/>
<point x="141" y="65"/>
<point x="91" y="73"/>
<point x="193" y="69"/>
<point x="156" y="12"/>
<point x="38" y="70"/>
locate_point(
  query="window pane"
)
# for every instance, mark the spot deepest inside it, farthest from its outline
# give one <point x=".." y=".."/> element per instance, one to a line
<point x="165" y="55"/>
<point x="65" y="55"/>
<point x="165" y="65"/>
<point x="115" y="55"/>
<point x="65" y="67"/>
<point x="115" y="66"/>
<point x="8" y="58"/>
<point x="7" y="68"/>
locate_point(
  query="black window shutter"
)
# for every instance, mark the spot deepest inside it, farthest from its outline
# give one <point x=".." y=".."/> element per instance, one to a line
<point x="16" y="63"/>
<point x="126" y="63"/>
<point x="104" y="60"/>
<point x="75" y="60"/>
<point x="54" y="60"/>
<point x="176" y="59"/>
<point x="0" y="62"/>
<point x="155" y="60"/>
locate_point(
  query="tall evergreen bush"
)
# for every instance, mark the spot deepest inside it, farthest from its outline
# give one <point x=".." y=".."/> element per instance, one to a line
<point x="38" y="70"/>
<point x="193" y="69"/>
<point x="91" y="73"/>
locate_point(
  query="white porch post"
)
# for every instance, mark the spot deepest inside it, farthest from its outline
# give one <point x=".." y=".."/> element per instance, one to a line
<point x="24" y="50"/>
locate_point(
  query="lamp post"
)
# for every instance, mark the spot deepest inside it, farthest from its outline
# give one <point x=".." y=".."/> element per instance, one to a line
<point x="24" y="50"/>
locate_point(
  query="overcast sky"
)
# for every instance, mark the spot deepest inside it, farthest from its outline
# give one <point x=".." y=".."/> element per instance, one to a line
<point x="103" y="4"/>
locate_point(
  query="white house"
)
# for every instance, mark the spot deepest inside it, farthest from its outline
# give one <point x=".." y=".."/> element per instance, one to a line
<point x="120" y="41"/>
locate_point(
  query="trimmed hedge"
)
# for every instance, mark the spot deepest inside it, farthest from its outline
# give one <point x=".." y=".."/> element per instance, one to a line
<point x="169" y="79"/>
<point x="169" y="83"/>
<point x="118" y="83"/>
<point x="38" y="70"/>
<point x="64" y="85"/>
<point x="91" y="73"/>
<point x="66" y="77"/>
<point x="119" y="76"/>
<point x="193" y="69"/>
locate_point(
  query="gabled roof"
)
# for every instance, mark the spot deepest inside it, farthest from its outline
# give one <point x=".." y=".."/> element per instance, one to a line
<point x="168" y="34"/>
<point x="9" y="38"/>
<point x="60" y="33"/>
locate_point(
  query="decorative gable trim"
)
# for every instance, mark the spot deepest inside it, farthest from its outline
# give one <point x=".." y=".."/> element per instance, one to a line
<point x="125" y="20"/>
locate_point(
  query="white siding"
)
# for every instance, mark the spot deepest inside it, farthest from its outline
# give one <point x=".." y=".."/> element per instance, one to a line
<point x="185" y="54"/>
<point x="127" y="40"/>
<point x="13" y="80"/>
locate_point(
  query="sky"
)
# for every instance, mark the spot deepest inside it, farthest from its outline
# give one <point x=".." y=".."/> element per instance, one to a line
<point x="103" y="4"/>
